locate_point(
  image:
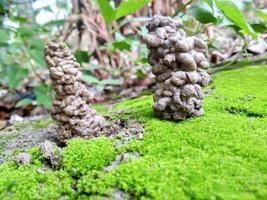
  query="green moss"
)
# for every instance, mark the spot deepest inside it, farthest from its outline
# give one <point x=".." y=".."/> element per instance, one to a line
<point x="241" y="91"/>
<point x="38" y="124"/>
<point x="101" y="108"/>
<point x="81" y="156"/>
<point x="222" y="155"/>
<point x="44" y="123"/>
<point x="28" y="182"/>
<point x="96" y="183"/>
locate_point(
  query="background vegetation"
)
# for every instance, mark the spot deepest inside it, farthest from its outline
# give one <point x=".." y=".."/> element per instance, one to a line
<point x="104" y="36"/>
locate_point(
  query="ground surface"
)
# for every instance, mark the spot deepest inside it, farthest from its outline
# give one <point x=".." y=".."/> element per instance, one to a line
<point x="222" y="155"/>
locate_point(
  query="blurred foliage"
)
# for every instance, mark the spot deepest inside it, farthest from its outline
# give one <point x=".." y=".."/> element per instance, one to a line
<point x="230" y="13"/>
<point x="22" y="39"/>
<point x="125" y="8"/>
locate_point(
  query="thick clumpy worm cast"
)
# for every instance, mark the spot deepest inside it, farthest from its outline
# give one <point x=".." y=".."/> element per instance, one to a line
<point x="180" y="68"/>
<point x="70" y="105"/>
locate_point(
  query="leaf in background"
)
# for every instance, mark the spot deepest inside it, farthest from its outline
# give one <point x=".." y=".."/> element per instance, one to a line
<point x="231" y="11"/>
<point x="259" y="28"/>
<point x="23" y="102"/>
<point x="37" y="56"/>
<point x="93" y="80"/>
<point x="43" y="98"/>
<point x="106" y="10"/>
<point x="262" y="14"/>
<point x="25" y="33"/>
<point x="37" y="44"/>
<point x="236" y="28"/>
<point x="140" y="73"/>
<point x="90" y="79"/>
<point x="111" y="82"/>
<point x="19" y="19"/>
<point x="209" y="2"/>
<point x="15" y="74"/>
<point x="81" y="56"/>
<point x="4" y="5"/>
<point x="143" y="60"/>
<point x="4" y="36"/>
<point x="122" y="45"/>
<point x="58" y="22"/>
<point x="203" y="13"/>
<point x="127" y="7"/>
<point x="217" y="13"/>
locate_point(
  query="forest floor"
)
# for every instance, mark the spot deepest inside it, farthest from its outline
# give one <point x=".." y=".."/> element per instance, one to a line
<point x="222" y="155"/>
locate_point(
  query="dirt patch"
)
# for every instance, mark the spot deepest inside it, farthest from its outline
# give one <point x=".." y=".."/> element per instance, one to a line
<point x="24" y="137"/>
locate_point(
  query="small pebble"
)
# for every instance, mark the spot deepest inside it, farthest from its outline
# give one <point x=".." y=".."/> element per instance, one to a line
<point x="23" y="159"/>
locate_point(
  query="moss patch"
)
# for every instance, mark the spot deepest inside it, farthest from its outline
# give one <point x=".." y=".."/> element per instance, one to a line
<point x="44" y="123"/>
<point x="30" y="182"/>
<point x="81" y="156"/>
<point x="222" y="155"/>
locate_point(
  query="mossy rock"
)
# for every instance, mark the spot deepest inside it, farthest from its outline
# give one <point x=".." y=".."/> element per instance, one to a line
<point x="221" y="155"/>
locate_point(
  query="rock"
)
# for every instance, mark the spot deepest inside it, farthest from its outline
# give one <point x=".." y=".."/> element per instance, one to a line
<point x="15" y="118"/>
<point x="51" y="153"/>
<point x="47" y="149"/>
<point x="23" y="159"/>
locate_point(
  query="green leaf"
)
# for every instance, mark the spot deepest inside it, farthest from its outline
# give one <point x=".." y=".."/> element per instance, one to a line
<point x="59" y="22"/>
<point x="4" y="6"/>
<point x="262" y="14"/>
<point x="19" y="19"/>
<point x="140" y="73"/>
<point x="15" y="74"/>
<point x="93" y="80"/>
<point x="106" y="10"/>
<point x="4" y="36"/>
<point x="81" y="56"/>
<point x="43" y="98"/>
<point x="23" y="103"/>
<point x="259" y="28"/>
<point x="209" y="2"/>
<point x="90" y="79"/>
<point x="111" y="82"/>
<point x="37" y="56"/>
<point x="231" y="11"/>
<point x="143" y="60"/>
<point x="37" y="44"/>
<point x="122" y="45"/>
<point x="203" y="13"/>
<point x="25" y="32"/>
<point x="127" y="7"/>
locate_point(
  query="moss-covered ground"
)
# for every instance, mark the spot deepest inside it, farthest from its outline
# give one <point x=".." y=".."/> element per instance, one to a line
<point x="222" y="155"/>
